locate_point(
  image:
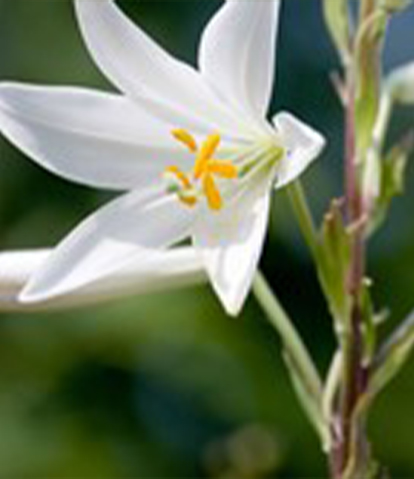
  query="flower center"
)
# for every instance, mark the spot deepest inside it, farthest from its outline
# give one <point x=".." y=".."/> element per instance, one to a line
<point x="205" y="172"/>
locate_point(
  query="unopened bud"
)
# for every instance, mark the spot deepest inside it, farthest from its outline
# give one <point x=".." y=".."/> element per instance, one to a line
<point x="394" y="6"/>
<point x="400" y="84"/>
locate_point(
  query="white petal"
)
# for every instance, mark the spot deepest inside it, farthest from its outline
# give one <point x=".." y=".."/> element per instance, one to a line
<point x="144" y="71"/>
<point x="167" y="270"/>
<point x="16" y="268"/>
<point x="303" y="145"/>
<point x="231" y="241"/>
<point x="98" y="139"/>
<point x="237" y="54"/>
<point x="130" y="228"/>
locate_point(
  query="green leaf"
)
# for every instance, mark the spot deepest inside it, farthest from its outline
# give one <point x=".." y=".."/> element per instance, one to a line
<point x="369" y="44"/>
<point x="331" y="386"/>
<point x="393" y="170"/>
<point x="371" y="168"/>
<point x="303" y="372"/>
<point x="337" y="20"/>
<point x="333" y="262"/>
<point x="310" y="405"/>
<point x="393" y="355"/>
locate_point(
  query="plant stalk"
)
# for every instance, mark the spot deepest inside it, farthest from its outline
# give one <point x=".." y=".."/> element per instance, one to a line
<point x="350" y="452"/>
<point x="291" y="339"/>
<point x="303" y="215"/>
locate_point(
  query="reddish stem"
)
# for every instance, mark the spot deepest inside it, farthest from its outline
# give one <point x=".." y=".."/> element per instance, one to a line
<point x="355" y="376"/>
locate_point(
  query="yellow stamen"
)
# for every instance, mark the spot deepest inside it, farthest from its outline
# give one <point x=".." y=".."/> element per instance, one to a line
<point x="223" y="169"/>
<point x="207" y="151"/>
<point x="188" y="200"/>
<point x="205" y="169"/>
<point x="186" y="138"/>
<point x="213" y="196"/>
<point x="181" y="177"/>
<point x="185" y="193"/>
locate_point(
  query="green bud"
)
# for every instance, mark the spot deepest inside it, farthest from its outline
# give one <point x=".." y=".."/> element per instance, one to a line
<point x="395" y="6"/>
<point x="400" y="84"/>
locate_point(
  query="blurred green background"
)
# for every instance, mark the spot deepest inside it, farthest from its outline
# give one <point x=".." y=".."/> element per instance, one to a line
<point x="167" y="385"/>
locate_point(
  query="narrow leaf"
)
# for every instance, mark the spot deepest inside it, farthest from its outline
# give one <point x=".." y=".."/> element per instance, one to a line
<point x="393" y="355"/>
<point x="369" y="46"/>
<point x="393" y="172"/>
<point x="310" y="405"/>
<point x="337" y="20"/>
<point x="333" y="260"/>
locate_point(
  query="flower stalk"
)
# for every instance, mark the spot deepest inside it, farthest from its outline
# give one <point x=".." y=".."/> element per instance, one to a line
<point x="303" y="215"/>
<point x="304" y="374"/>
<point x="350" y="458"/>
<point x="353" y="371"/>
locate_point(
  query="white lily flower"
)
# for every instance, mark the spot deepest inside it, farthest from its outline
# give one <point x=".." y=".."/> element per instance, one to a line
<point x="191" y="146"/>
<point x="175" y="268"/>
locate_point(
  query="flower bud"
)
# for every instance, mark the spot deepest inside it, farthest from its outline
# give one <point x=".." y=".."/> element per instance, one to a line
<point x="394" y="6"/>
<point x="401" y="84"/>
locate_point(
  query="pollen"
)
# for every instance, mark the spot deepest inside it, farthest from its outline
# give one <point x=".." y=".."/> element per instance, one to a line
<point x="206" y="169"/>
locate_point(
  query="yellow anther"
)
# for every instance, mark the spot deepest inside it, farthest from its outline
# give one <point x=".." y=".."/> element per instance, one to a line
<point x="186" y="139"/>
<point x="207" y="151"/>
<point x="181" y="177"/>
<point x="185" y="193"/>
<point x="188" y="200"/>
<point x="223" y="169"/>
<point x="205" y="169"/>
<point x="213" y="196"/>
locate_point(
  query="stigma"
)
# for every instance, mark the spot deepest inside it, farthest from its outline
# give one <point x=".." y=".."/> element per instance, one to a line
<point x="202" y="180"/>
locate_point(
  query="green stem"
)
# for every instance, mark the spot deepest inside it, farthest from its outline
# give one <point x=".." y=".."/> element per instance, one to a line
<point x="292" y="342"/>
<point x="303" y="214"/>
